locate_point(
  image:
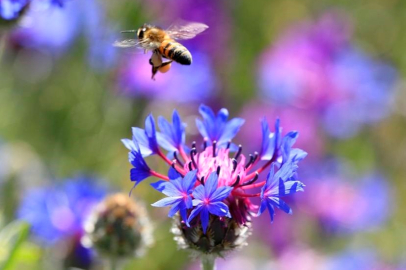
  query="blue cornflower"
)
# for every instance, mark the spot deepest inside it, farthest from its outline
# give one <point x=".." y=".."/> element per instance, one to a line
<point x="270" y="141"/>
<point x="146" y="139"/>
<point x="141" y="169"/>
<point x="172" y="137"/>
<point x="58" y="211"/>
<point x="216" y="128"/>
<point x="12" y="9"/>
<point x="178" y="190"/>
<point x="278" y="185"/>
<point x="209" y="185"/>
<point x="208" y="199"/>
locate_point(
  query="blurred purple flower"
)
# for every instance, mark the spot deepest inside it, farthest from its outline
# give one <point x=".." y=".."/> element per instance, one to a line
<point x="181" y="83"/>
<point x="315" y="66"/>
<point x="353" y="204"/>
<point x="57" y="212"/>
<point x="212" y="13"/>
<point x="292" y="118"/>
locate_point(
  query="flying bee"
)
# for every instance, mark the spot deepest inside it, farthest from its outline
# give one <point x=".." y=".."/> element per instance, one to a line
<point x="163" y="45"/>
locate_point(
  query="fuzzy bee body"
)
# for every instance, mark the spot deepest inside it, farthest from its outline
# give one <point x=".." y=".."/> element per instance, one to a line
<point x="163" y="43"/>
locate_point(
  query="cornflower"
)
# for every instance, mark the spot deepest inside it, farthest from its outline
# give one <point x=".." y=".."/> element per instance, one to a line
<point x="212" y="184"/>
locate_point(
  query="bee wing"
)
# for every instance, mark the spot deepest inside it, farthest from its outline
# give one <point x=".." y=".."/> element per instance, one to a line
<point x="186" y="31"/>
<point x="126" y="43"/>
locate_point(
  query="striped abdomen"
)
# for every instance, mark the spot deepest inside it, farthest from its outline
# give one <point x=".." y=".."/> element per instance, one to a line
<point x="175" y="51"/>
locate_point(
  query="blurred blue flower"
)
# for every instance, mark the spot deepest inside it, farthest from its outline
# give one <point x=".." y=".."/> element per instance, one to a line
<point x="12" y="9"/>
<point x="315" y="66"/>
<point x="53" y="26"/>
<point x="58" y="211"/>
<point x="356" y="259"/>
<point x="179" y="190"/>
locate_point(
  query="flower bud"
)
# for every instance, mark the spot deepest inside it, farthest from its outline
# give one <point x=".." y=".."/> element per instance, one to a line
<point x="119" y="227"/>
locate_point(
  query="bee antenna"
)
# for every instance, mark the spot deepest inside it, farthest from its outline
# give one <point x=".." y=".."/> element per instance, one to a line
<point x="128" y="31"/>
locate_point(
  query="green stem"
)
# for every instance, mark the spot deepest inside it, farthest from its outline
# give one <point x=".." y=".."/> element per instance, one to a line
<point x="208" y="263"/>
<point x="113" y="263"/>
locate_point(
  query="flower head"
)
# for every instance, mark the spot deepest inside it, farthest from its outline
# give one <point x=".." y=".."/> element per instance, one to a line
<point x="118" y="227"/>
<point x="57" y="212"/>
<point x="210" y="187"/>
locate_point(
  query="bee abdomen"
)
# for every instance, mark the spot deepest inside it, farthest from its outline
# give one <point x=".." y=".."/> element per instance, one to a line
<point x="176" y="52"/>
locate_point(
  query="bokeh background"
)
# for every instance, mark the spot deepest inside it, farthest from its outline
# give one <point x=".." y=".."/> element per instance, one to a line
<point x="333" y="70"/>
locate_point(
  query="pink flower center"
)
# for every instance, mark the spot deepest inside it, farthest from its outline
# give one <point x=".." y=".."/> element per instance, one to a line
<point x="207" y="164"/>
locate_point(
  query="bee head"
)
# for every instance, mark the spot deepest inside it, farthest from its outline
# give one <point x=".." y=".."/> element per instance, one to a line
<point x="140" y="32"/>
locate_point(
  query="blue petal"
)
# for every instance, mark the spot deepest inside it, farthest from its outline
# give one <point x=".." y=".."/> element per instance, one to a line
<point x="210" y="185"/>
<point x="286" y="171"/>
<point x="138" y="175"/>
<point x="221" y="193"/>
<point x="194" y="213"/>
<point x="280" y="204"/>
<point x="271" y="210"/>
<point x="175" y="208"/>
<point x="178" y="129"/>
<point x="278" y="134"/>
<point x="197" y="202"/>
<point x="231" y="129"/>
<point x="130" y="144"/>
<point x="297" y="155"/>
<point x="167" y="188"/>
<point x="268" y="142"/>
<point x="199" y="193"/>
<point x="142" y="140"/>
<point x="183" y="214"/>
<point x="262" y="207"/>
<point x="173" y="173"/>
<point x="219" y="209"/>
<point x="204" y="217"/>
<point x="165" y="142"/>
<point x="189" y="181"/>
<point x="166" y="128"/>
<point x="167" y="201"/>
<point x="202" y="129"/>
<point x="160" y="185"/>
<point x="292" y="187"/>
<point x="207" y="113"/>
<point x="287" y="144"/>
<point x="188" y="202"/>
<point x="151" y="133"/>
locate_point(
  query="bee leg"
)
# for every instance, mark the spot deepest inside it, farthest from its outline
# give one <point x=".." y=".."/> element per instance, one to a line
<point x="166" y="63"/>
<point x="154" y="71"/>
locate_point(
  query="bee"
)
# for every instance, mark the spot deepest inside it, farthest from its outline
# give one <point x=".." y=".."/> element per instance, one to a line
<point x="163" y="45"/>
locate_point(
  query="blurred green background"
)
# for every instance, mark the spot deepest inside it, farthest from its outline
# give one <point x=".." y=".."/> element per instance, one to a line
<point x="71" y="118"/>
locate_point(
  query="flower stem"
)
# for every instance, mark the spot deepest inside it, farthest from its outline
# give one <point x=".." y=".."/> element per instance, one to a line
<point x="113" y="263"/>
<point x="208" y="263"/>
